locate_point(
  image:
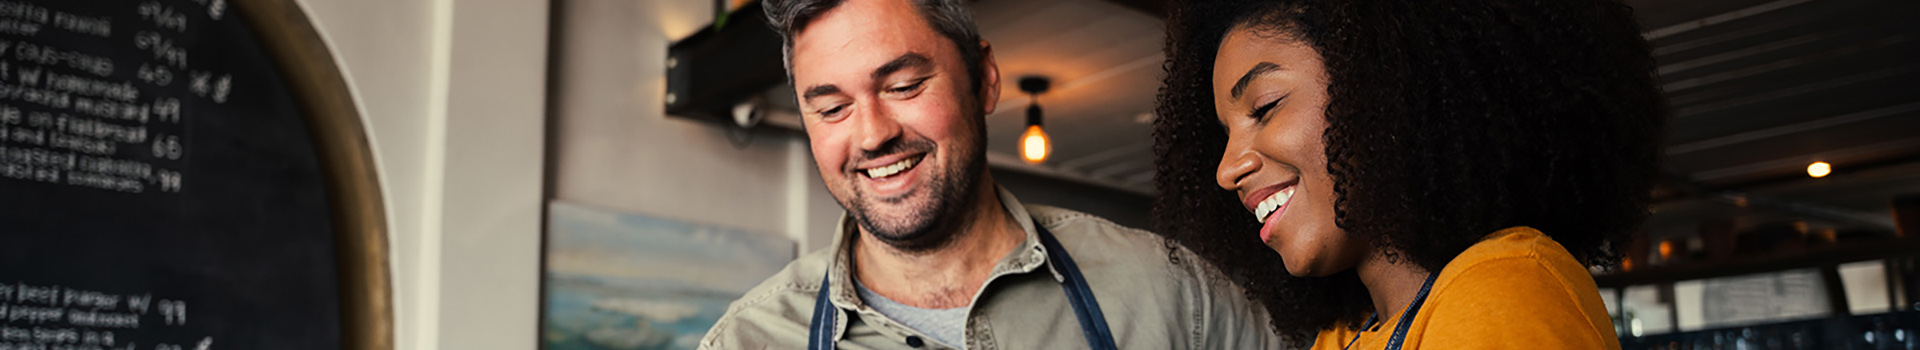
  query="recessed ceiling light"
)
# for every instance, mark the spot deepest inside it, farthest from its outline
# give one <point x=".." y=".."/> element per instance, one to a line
<point x="1819" y="169"/>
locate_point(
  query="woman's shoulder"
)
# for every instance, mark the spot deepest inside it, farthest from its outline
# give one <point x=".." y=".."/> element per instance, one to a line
<point x="1515" y="283"/>
<point x="1518" y="250"/>
<point x="1514" y="259"/>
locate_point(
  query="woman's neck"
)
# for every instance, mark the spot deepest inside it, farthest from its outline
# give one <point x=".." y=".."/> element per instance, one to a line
<point x="1392" y="284"/>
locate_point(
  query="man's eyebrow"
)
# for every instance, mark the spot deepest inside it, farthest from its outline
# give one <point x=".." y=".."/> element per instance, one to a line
<point x="1240" y="88"/>
<point x="906" y="60"/>
<point x="819" y="90"/>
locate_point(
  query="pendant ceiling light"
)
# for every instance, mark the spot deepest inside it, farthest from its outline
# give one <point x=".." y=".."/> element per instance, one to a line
<point x="1034" y="143"/>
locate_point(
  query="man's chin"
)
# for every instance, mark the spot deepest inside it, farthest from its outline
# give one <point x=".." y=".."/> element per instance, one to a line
<point x="908" y="232"/>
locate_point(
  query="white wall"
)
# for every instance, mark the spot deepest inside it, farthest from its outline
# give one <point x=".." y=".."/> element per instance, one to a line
<point x="454" y="92"/>
<point x="453" y="97"/>
<point x="491" y="164"/>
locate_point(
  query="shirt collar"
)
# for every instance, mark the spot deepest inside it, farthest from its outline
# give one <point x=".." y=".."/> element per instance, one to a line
<point x="1026" y="257"/>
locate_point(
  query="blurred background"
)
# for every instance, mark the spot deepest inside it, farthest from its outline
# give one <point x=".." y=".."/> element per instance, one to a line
<point x="1784" y="220"/>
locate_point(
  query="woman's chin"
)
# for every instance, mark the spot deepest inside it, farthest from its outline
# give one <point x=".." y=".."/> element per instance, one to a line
<point x="1298" y="268"/>
<point x="1295" y="268"/>
<point x="1306" y="268"/>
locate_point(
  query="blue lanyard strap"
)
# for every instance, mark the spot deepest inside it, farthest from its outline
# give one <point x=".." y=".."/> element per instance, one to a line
<point x="1092" y="323"/>
<point x="1406" y="318"/>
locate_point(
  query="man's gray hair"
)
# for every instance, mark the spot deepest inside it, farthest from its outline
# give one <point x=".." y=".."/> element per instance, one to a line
<point x="951" y="18"/>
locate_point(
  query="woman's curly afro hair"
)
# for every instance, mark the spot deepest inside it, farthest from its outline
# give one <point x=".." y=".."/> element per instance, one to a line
<point x="1447" y="121"/>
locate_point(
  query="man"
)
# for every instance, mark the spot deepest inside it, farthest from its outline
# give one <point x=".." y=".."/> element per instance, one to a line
<point x="933" y="254"/>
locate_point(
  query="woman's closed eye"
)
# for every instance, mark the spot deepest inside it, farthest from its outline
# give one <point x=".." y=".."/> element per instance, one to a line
<point x="1259" y="114"/>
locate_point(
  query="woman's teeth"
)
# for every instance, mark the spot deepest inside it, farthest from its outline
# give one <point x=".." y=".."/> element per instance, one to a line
<point x="1272" y="203"/>
<point x="891" y="169"/>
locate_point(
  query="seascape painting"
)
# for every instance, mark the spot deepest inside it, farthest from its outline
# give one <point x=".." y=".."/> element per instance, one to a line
<point x="618" y="281"/>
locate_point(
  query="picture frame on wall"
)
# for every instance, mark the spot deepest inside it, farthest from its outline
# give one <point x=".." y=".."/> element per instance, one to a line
<point x="617" y="280"/>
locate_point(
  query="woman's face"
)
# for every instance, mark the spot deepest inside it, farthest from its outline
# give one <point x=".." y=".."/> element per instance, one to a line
<point x="1271" y="94"/>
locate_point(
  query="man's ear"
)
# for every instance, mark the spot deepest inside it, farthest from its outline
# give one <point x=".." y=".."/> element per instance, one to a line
<point x="989" y="79"/>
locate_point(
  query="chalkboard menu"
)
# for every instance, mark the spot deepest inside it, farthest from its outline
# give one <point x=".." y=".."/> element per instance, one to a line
<point x="182" y="174"/>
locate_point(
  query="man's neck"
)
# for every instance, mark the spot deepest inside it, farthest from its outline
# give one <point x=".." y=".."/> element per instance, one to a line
<point x="948" y="276"/>
<point x="1391" y="284"/>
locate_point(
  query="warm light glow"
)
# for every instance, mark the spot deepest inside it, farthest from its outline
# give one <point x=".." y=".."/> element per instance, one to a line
<point x="1666" y="250"/>
<point x="1034" y="145"/>
<point x="1819" y="169"/>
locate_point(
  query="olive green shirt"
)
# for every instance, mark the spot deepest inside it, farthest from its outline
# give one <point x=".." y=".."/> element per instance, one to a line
<point x="1155" y="295"/>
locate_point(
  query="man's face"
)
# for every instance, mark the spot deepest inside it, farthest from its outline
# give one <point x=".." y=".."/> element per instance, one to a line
<point x="898" y="138"/>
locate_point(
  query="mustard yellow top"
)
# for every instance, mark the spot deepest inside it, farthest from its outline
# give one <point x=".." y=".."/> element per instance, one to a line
<point x="1516" y="289"/>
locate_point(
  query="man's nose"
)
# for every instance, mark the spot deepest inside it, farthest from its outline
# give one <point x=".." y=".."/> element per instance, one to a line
<point x="877" y="126"/>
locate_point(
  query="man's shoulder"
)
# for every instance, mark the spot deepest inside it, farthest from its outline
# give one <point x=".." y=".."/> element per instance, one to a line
<point x="1078" y="225"/>
<point x="1147" y="275"/>
<point x="1114" y="246"/>
<point x="1093" y="240"/>
<point x="777" y="309"/>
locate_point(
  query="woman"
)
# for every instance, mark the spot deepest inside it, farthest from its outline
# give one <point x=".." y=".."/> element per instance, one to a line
<point x="1459" y="164"/>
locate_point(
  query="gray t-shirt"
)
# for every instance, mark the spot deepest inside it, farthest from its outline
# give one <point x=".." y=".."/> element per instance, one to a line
<point x="947" y="326"/>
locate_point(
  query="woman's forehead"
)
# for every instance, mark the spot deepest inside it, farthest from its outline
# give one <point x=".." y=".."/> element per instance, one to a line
<point x="1246" y="51"/>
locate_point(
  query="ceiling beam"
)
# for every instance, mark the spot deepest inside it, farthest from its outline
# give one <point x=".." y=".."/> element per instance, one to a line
<point x="1740" y="194"/>
<point x="1693" y="188"/>
<point x="1689" y="26"/>
<point x="1695" y="104"/>
<point x="1789" y="129"/>
<point x="1149" y="61"/>
<point x="1789" y="167"/>
<point x="1083" y="162"/>
<point x="1005" y="161"/>
<point x="1155" y="8"/>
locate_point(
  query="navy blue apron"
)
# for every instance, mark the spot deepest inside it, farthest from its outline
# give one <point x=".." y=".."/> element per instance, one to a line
<point x="1092" y="324"/>
<point x="1406" y="318"/>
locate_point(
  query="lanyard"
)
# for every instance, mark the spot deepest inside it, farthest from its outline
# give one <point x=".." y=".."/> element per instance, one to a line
<point x="1092" y="324"/>
<point x="1406" y="318"/>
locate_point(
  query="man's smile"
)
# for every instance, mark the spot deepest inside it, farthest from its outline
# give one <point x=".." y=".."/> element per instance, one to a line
<point x="884" y="171"/>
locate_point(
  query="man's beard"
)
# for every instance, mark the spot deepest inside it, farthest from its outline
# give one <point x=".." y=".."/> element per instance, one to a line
<point x="936" y="219"/>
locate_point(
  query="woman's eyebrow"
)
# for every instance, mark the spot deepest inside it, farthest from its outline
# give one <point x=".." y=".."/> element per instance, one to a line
<point x="1240" y="88"/>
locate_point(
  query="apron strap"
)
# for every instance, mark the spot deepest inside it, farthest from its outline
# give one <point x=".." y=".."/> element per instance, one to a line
<point x="821" y="335"/>
<point x="1092" y="323"/>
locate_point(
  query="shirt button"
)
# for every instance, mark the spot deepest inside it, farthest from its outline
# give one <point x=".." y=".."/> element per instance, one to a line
<point x="914" y="341"/>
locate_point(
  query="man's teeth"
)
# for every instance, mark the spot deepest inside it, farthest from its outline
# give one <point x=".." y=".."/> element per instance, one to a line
<point x="1272" y="203"/>
<point x="891" y="169"/>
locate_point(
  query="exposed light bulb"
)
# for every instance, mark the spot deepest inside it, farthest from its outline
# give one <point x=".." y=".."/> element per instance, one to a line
<point x="1819" y="169"/>
<point x="1034" y="145"/>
